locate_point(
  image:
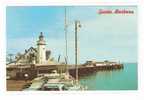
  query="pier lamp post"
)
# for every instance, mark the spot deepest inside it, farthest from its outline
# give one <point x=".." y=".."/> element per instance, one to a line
<point x="77" y="26"/>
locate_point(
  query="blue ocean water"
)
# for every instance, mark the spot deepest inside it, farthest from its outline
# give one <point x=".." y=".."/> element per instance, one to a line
<point x="124" y="79"/>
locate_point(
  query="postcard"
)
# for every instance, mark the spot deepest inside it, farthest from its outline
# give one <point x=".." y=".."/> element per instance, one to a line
<point x="71" y="48"/>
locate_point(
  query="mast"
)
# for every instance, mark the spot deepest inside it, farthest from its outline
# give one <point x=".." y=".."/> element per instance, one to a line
<point x="66" y="55"/>
<point x="77" y="25"/>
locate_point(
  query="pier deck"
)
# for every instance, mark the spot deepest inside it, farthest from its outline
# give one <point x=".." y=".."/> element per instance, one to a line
<point x="33" y="70"/>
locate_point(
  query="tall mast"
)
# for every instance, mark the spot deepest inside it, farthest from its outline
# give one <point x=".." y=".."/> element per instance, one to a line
<point x="76" y="51"/>
<point x="66" y="55"/>
<point x="77" y="25"/>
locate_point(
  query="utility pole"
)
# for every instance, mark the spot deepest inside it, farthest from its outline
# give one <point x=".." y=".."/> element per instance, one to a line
<point x="10" y="57"/>
<point x="77" y="25"/>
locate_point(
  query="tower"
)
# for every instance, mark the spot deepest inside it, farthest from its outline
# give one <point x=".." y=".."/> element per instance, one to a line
<point x="41" y="49"/>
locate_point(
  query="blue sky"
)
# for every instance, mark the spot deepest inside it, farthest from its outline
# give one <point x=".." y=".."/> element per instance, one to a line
<point x="106" y="36"/>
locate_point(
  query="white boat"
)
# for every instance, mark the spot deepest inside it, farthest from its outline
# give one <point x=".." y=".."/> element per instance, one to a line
<point x="36" y="84"/>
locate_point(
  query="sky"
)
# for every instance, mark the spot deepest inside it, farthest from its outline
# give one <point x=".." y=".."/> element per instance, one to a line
<point x="102" y="36"/>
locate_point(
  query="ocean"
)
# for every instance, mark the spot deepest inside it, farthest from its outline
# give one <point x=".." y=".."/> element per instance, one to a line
<point x="123" y="79"/>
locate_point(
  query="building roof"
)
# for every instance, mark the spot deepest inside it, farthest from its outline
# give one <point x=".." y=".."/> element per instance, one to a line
<point x="26" y="52"/>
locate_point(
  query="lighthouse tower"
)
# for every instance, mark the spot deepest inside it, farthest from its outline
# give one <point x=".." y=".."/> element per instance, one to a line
<point x="41" y="49"/>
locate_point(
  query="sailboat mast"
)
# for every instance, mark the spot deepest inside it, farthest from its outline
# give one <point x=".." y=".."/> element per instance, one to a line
<point x="76" y="51"/>
<point x="77" y="26"/>
<point x="66" y="55"/>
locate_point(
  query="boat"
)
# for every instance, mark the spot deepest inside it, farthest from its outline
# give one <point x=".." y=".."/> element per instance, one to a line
<point x="54" y="87"/>
<point x="35" y="85"/>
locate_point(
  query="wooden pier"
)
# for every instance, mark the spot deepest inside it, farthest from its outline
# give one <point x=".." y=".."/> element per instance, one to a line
<point x="32" y="70"/>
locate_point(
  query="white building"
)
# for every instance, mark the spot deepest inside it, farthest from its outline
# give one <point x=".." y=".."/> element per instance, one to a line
<point x="41" y="50"/>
